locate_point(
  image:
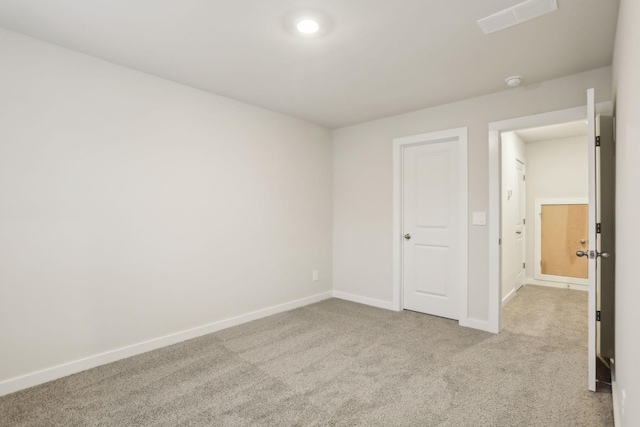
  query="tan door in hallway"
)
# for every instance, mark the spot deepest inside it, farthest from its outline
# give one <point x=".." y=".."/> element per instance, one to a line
<point x="564" y="231"/>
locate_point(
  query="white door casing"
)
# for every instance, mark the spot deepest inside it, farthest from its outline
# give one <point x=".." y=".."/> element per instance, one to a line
<point x="431" y="205"/>
<point x="494" y="323"/>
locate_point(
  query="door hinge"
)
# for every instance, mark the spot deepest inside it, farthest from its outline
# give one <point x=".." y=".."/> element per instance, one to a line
<point x="598" y="228"/>
<point x="523" y="265"/>
<point x="524" y="221"/>
<point x="524" y="177"/>
<point x="499" y="241"/>
<point x="597" y="141"/>
<point x="598" y="316"/>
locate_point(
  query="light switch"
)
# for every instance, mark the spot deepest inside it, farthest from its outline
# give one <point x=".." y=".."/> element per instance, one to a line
<point x="314" y="275"/>
<point x="479" y="218"/>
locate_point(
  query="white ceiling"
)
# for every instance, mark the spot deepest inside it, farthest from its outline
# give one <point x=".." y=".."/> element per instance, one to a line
<point x="547" y="133"/>
<point x="381" y="57"/>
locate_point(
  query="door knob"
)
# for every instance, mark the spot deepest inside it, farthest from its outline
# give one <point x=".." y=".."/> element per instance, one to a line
<point x="604" y="255"/>
<point x="407" y="236"/>
<point x="583" y="241"/>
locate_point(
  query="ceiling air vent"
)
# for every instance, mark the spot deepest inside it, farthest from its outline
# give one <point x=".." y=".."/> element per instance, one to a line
<point x="517" y="14"/>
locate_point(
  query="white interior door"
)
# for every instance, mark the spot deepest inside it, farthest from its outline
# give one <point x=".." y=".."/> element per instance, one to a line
<point x="519" y="206"/>
<point x="593" y="219"/>
<point x="430" y="225"/>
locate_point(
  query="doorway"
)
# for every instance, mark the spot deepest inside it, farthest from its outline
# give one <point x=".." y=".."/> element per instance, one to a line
<point x="494" y="217"/>
<point x="546" y="119"/>
<point x="542" y="225"/>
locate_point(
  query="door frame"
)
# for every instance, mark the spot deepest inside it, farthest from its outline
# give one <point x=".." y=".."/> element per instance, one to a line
<point x="561" y="281"/>
<point x="495" y="164"/>
<point x="522" y="199"/>
<point x="459" y="135"/>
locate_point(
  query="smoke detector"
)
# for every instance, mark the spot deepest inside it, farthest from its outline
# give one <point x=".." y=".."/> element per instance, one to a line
<point x="513" y="81"/>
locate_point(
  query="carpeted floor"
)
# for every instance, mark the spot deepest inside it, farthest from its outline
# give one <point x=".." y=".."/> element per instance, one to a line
<point x="343" y="364"/>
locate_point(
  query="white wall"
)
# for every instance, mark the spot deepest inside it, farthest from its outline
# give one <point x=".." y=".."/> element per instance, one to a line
<point x="133" y="207"/>
<point x="626" y="69"/>
<point x="512" y="148"/>
<point x="362" y="179"/>
<point x="556" y="169"/>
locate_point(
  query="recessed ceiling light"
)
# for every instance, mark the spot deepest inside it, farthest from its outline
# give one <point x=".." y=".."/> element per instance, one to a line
<point x="307" y="23"/>
<point x="308" y="26"/>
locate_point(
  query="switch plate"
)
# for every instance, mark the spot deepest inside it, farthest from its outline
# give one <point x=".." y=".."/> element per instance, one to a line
<point x="314" y="275"/>
<point x="479" y="218"/>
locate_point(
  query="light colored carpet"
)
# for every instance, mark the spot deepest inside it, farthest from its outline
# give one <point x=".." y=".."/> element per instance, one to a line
<point x="343" y="364"/>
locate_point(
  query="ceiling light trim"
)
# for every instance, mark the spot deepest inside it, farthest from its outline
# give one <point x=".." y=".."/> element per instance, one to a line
<point x="293" y="20"/>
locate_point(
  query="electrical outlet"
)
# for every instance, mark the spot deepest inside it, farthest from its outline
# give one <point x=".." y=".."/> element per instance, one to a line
<point x="314" y="275"/>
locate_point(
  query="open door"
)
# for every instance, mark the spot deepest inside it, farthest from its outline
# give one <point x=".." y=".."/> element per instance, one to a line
<point x="591" y="253"/>
<point x="601" y="234"/>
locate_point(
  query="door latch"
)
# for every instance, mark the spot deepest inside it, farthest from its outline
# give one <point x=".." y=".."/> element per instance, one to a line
<point x="593" y="254"/>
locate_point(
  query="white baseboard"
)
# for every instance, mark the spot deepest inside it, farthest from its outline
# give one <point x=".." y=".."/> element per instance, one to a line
<point x="39" y="377"/>
<point x="509" y="297"/>
<point x="575" y="287"/>
<point x="388" y="305"/>
<point x="561" y="279"/>
<point x="482" y="325"/>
